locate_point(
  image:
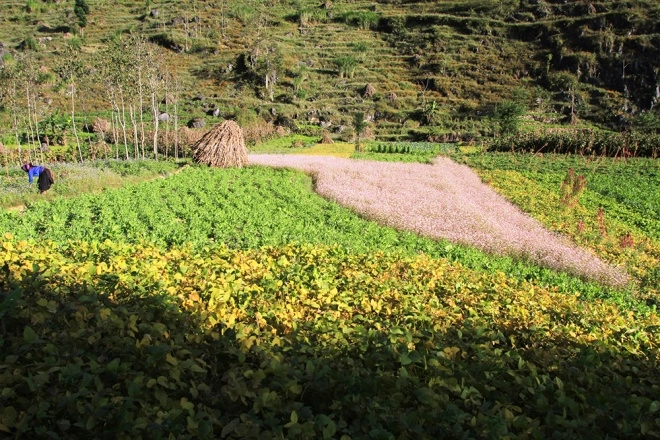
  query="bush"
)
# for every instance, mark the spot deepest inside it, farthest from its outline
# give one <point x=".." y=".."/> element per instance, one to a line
<point x="30" y="43"/>
<point x="362" y="19"/>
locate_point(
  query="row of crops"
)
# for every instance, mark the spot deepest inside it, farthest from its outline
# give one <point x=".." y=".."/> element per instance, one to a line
<point x="410" y="147"/>
<point x="582" y="142"/>
<point x="239" y="304"/>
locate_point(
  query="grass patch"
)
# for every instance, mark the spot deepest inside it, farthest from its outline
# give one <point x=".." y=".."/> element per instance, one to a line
<point x="76" y="179"/>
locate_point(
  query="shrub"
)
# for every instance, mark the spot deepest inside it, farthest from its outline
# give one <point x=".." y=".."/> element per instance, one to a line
<point x="30" y="43"/>
<point x="507" y="115"/>
<point x="346" y="66"/>
<point x="362" y="19"/>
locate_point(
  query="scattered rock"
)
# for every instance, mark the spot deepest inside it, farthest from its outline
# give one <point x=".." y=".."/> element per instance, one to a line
<point x="196" y="123"/>
<point x="163" y="117"/>
<point x="154" y="13"/>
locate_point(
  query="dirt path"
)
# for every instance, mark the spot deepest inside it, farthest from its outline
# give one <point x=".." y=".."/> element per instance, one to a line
<point x="443" y="200"/>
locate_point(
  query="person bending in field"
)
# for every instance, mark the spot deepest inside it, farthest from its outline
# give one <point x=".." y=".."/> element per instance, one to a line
<point x="45" y="176"/>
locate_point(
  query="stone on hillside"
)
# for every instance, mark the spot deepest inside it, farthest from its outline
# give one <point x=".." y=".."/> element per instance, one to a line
<point x="196" y="123"/>
<point x="163" y="117"/>
<point x="369" y="91"/>
<point x="154" y="13"/>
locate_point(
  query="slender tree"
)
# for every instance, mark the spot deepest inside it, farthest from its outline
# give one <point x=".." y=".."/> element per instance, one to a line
<point x="70" y="68"/>
<point x="359" y="125"/>
<point x="81" y="10"/>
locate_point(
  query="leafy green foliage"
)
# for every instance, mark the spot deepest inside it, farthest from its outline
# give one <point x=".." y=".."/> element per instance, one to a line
<point x="308" y="342"/>
<point x="359" y="125"/>
<point x="507" y="114"/>
<point x="81" y="10"/>
<point x="250" y="208"/>
<point x="346" y="66"/>
<point x="362" y="19"/>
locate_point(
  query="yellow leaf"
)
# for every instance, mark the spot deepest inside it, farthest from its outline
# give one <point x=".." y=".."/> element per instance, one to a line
<point x="171" y="359"/>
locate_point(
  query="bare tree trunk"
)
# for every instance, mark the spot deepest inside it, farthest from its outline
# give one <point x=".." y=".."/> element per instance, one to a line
<point x="122" y="121"/>
<point x="167" y="121"/>
<point x="115" y="134"/>
<point x="185" y="28"/>
<point x="154" y="108"/>
<point x="7" y="161"/>
<point x="141" y="98"/>
<point x="131" y="112"/>
<point x="18" y="140"/>
<point x="36" y="127"/>
<point x="73" y="119"/>
<point x="176" y="119"/>
<point x="15" y="120"/>
<point x="29" y="120"/>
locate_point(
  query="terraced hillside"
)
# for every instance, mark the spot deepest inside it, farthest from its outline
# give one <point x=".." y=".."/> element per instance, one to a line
<point x="436" y="69"/>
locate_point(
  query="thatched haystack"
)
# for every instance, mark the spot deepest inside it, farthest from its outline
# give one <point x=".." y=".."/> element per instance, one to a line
<point x="223" y="146"/>
<point x="326" y="138"/>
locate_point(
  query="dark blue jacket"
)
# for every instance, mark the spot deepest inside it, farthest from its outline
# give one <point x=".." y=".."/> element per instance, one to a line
<point x="34" y="172"/>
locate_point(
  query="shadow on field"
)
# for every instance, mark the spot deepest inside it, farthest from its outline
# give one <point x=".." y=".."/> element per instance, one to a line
<point x="77" y="364"/>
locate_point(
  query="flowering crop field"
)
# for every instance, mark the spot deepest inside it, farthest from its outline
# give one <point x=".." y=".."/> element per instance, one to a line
<point x="617" y="217"/>
<point x="239" y="303"/>
<point x="444" y="200"/>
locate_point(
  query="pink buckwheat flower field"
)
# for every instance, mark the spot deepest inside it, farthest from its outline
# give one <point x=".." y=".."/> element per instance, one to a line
<point x="444" y="200"/>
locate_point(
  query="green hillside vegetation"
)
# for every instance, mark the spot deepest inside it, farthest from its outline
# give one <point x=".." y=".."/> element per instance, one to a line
<point x="417" y="69"/>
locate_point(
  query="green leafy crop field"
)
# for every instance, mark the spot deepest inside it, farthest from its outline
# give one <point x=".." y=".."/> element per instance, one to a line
<point x="237" y="303"/>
